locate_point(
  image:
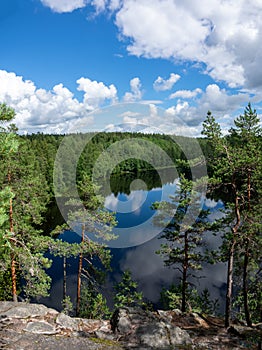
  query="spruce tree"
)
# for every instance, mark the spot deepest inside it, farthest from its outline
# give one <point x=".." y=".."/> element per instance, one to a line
<point x="126" y="292"/>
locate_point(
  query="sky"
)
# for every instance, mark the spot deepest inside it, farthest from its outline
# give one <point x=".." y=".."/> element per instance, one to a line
<point x="79" y="65"/>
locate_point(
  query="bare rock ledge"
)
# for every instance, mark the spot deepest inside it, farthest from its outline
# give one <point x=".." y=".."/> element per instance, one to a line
<point x="25" y="326"/>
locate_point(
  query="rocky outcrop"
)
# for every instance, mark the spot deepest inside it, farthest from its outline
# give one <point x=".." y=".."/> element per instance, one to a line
<point x="136" y="327"/>
<point x="36" y="327"/>
<point x="33" y="326"/>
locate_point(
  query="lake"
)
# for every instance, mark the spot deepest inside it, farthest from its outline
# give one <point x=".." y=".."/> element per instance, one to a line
<point x="131" y="197"/>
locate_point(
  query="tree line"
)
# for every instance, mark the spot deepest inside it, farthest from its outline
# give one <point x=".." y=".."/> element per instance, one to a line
<point x="234" y="169"/>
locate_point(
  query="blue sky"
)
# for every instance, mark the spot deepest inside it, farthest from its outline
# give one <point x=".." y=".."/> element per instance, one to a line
<point x="167" y="61"/>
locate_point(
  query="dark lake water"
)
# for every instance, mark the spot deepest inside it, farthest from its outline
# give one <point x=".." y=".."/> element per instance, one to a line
<point x="131" y="197"/>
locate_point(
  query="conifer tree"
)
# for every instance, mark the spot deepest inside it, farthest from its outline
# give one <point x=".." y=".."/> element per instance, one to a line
<point x="96" y="226"/>
<point x="24" y="197"/>
<point x="127" y="293"/>
<point x="236" y="170"/>
<point x="183" y="237"/>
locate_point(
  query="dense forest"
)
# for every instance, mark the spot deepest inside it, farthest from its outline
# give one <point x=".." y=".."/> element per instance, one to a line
<point x="27" y="192"/>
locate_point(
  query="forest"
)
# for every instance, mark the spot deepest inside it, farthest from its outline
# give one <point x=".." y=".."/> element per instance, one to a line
<point x="27" y="192"/>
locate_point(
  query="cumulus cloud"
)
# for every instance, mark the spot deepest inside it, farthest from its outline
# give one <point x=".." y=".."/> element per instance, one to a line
<point x="219" y="100"/>
<point x="160" y="84"/>
<point x="188" y="118"/>
<point x="62" y="6"/>
<point x="224" y="35"/>
<point x="13" y="88"/>
<point x="185" y="94"/>
<point x="136" y="93"/>
<point x="96" y="92"/>
<point x="55" y="110"/>
<point x="58" y="111"/>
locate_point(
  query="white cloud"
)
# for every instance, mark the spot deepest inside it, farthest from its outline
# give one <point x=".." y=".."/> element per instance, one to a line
<point x="222" y="104"/>
<point x="114" y="4"/>
<point x="186" y="94"/>
<point x="219" y="101"/>
<point x="100" y="5"/>
<point x="58" y="111"/>
<point x="96" y="92"/>
<point x="129" y="114"/>
<point x="136" y="93"/>
<point x="62" y="6"/>
<point x="222" y="34"/>
<point x="51" y="111"/>
<point x="160" y="84"/>
<point x="130" y="120"/>
<point x="14" y="88"/>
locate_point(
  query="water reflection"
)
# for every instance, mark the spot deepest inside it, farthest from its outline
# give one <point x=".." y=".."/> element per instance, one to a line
<point x="138" y="240"/>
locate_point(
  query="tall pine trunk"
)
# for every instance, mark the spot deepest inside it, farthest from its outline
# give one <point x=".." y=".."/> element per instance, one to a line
<point x="184" y="276"/>
<point x="230" y="267"/>
<point x="64" y="278"/>
<point x="13" y="262"/>
<point x="245" y="286"/>
<point x="246" y="259"/>
<point x="80" y="266"/>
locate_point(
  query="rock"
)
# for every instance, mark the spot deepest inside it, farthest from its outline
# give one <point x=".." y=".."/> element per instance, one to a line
<point x="36" y="327"/>
<point x="179" y="336"/>
<point x="244" y="331"/>
<point x="24" y="310"/>
<point x="137" y="327"/>
<point x="104" y="335"/>
<point x="67" y="322"/>
<point x="121" y="321"/>
<point x="199" y="320"/>
<point x="91" y="326"/>
<point x="40" y="327"/>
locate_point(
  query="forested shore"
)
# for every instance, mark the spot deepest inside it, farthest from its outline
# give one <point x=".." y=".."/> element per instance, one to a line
<point x="234" y="173"/>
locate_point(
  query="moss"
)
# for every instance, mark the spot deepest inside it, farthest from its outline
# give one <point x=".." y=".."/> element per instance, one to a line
<point x="106" y="342"/>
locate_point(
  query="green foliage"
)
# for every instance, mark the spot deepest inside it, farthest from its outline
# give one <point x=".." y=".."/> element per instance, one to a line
<point x="255" y="300"/>
<point x="24" y="196"/>
<point x="236" y="164"/>
<point x="93" y="305"/>
<point x="211" y="128"/>
<point x="246" y="125"/>
<point x="126" y="292"/>
<point x="182" y="233"/>
<point x="5" y="284"/>
<point x="67" y="305"/>
<point x="202" y="303"/>
<point x="46" y="146"/>
<point x="6" y="113"/>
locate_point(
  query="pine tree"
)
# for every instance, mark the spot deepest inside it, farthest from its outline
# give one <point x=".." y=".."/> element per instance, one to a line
<point x="24" y="197"/>
<point x="236" y="169"/>
<point x="96" y="226"/>
<point x="183" y="234"/>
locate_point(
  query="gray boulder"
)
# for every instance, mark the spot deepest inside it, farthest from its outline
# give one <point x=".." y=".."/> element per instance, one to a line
<point x="137" y="327"/>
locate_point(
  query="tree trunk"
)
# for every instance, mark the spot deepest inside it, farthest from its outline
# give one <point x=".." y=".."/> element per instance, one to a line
<point x="229" y="284"/>
<point x="80" y="266"/>
<point x="245" y="287"/>
<point x="184" y="276"/>
<point x="13" y="262"/>
<point x="246" y="259"/>
<point x="230" y="267"/>
<point x="13" y="276"/>
<point x="249" y="189"/>
<point x="64" y="278"/>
